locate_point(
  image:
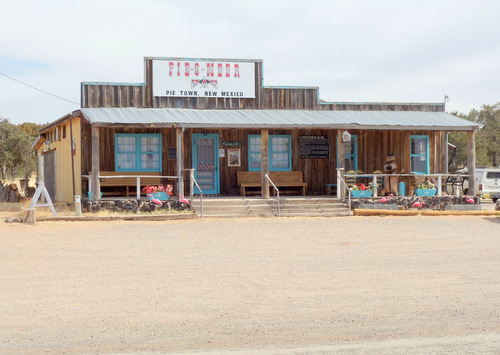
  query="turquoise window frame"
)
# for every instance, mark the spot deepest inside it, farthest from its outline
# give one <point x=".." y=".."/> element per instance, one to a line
<point x="417" y="155"/>
<point x="254" y="154"/>
<point x="353" y="155"/>
<point x="273" y="148"/>
<point x="137" y="151"/>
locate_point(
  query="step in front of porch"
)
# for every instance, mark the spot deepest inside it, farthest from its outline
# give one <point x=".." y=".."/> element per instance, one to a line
<point x="239" y="207"/>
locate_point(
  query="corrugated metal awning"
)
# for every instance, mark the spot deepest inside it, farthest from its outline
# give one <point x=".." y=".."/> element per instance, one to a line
<point x="377" y="120"/>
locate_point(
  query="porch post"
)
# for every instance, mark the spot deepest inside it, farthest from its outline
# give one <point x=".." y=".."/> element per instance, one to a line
<point x="180" y="140"/>
<point x="471" y="162"/>
<point x="191" y="184"/>
<point x="264" y="159"/>
<point x="340" y="164"/>
<point x="96" y="185"/>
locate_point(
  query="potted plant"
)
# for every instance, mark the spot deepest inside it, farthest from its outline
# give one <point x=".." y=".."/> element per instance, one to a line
<point x="425" y="188"/>
<point x="159" y="192"/>
<point x="362" y="190"/>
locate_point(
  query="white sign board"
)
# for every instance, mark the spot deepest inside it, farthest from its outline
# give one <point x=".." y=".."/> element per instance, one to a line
<point x="203" y="78"/>
<point x="346" y="136"/>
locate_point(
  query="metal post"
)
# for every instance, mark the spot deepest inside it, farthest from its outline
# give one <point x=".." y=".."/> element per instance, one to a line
<point x="340" y="186"/>
<point x="471" y="161"/>
<point x="138" y="192"/>
<point x="191" y="184"/>
<point x="78" y="206"/>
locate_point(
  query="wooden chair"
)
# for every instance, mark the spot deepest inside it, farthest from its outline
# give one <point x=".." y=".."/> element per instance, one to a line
<point x="380" y="180"/>
<point x="350" y="178"/>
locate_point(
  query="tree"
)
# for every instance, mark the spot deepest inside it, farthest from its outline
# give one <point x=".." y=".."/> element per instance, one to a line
<point x="489" y="134"/>
<point x="16" y="154"/>
<point x="487" y="137"/>
<point x="6" y="131"/>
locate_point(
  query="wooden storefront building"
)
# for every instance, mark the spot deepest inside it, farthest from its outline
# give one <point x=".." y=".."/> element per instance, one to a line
<point x="216" y="117"/>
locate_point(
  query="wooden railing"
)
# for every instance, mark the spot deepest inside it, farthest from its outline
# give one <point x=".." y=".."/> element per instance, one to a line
<point x="437" y="179"/>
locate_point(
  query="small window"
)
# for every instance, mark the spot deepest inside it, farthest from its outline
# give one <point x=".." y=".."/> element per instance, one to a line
<point x="419" y="154"/>
<point x="280" y="156"/>
<point x="492" y="175"/>
<point x="64" y="131"/>
<point x="254" y="148"/>
<point x="138" y="152"/>
<point x="280" y="153"/>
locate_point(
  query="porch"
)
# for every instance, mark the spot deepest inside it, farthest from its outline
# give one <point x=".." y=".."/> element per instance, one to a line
<point x="311" y="142"/>
<point x="444" y="184"/>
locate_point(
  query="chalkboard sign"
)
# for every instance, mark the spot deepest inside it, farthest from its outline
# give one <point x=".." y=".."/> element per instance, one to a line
<point x="172" y="153"/>
<point x="314" y="147"/>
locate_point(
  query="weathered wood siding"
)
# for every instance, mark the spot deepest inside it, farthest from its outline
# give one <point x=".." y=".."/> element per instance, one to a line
<point x="299" y="98"/>
<point x="107" y="147"/>
<point x="373" y="147"/>
<point x="376" y="106"/>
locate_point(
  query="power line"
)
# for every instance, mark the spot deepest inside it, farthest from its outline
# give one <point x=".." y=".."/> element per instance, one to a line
<point x="32" y="87"/>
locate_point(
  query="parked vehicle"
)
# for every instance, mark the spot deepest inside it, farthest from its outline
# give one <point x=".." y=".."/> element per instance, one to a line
<point x="487" y="182"/>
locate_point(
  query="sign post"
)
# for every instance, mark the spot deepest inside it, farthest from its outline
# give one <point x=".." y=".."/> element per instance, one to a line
<point x="30" y="211"/>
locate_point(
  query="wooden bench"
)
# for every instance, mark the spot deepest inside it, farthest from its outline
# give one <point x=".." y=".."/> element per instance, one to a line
<point x="126" y="181"/>
<point x="282" y="179"/>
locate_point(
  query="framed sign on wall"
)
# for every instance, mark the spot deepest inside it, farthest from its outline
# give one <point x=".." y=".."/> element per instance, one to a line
<point x="234" y="157"/>
<point x="203" y="78"/>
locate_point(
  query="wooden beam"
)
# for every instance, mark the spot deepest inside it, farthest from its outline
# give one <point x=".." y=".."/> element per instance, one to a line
<point x="71" y="152"/>
<point x="96" y="185"/>
<point x="180" y="141"/>
<point x="340" y="163"/>
<point x="471" y="161"/>
<point x="264" y="159"/>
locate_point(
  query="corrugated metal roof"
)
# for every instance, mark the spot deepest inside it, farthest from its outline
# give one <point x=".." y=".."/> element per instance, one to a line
<point x="278" y="118"/>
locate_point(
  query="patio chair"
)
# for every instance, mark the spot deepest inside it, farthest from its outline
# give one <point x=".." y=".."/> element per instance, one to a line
<point x="380" y="179"/>
<point x="350" y="178"/>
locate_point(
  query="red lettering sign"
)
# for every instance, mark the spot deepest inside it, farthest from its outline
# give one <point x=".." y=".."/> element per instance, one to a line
<point x="210" y="69"/>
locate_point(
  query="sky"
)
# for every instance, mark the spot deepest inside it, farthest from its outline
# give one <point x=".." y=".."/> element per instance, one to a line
<point x="353" y="50"/>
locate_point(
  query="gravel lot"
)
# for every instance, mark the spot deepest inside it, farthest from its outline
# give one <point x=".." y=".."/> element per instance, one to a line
<point x="270" y="286"/>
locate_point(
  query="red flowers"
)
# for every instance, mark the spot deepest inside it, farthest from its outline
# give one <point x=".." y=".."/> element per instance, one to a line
<point x="153" y="189"/>
<point x="361" y="187"/>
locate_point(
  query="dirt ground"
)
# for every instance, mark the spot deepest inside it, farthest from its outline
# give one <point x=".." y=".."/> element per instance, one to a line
<point x="270" y="286"/>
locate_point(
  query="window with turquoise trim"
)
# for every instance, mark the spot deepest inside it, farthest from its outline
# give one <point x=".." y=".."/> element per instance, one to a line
<point x="254" y="160"/>
<point x="419" y="154"/>
<point x="351" y="154"/>
<point x="137" y="152"/>
<point x="280" y="153"/>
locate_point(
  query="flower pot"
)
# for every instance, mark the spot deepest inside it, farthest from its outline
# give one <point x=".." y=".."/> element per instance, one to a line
<point x="361" y="193"/>
<point x="425" y="192"/>
<point x="91" y="195"/>
<point x="160" y="196"/>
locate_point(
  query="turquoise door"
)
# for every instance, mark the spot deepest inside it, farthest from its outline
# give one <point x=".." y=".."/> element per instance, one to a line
<point x="206" y="162"/>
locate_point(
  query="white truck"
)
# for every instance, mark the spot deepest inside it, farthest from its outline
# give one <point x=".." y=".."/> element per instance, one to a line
<point x="487" y="182"/>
